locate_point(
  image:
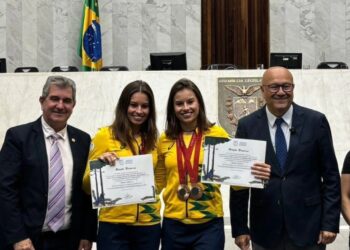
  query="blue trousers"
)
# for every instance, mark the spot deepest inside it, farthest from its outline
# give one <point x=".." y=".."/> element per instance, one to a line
<point x="113" y="236"/>
<point x="206" y="236"/>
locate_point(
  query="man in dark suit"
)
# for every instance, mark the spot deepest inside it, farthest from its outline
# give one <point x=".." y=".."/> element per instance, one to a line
<point x="299" y="207"/>
<point x="34" y="213"/>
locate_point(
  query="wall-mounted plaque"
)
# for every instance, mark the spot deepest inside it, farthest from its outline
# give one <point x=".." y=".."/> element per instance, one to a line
<point x="238" y="97"/>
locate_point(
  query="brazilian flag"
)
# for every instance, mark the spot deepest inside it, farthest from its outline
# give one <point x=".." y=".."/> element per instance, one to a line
<point x="90" y="46"/>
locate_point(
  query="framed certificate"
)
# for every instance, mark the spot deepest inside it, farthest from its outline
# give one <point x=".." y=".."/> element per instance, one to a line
<point x="129" y="181"/>
<point x="229" y="161"/>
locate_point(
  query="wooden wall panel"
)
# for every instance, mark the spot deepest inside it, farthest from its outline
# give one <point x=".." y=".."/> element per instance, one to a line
<point x="236" y="32"/>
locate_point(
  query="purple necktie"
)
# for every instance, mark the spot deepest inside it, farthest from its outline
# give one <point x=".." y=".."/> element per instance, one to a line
<point x="56" y="200"/>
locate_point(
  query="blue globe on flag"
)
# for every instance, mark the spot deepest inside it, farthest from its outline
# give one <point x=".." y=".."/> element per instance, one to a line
<point x="92" y="41"/>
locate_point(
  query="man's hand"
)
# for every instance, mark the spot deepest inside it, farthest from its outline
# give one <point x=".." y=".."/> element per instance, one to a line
<point x="85" y="245"/>
<point x="261" y="171"/>
<point x="24" y="245"/>
<point x="326" y="237"/>
<point x="243" y="241"/>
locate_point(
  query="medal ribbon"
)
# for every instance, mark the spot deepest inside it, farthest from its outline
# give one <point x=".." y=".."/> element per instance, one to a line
<point x="141" y="147"/>
<point x="183" y="169"/>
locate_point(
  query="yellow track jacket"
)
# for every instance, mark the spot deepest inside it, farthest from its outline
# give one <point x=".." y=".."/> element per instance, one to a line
<point x="138" y="214"/>
<point x="209" y="206"/>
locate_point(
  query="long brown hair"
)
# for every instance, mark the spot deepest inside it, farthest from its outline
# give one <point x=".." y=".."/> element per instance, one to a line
<point x="172" y="126"/>
<point x="121" y="126"/>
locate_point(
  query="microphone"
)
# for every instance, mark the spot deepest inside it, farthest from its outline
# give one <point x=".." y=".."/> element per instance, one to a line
<point x="292" y="130"/>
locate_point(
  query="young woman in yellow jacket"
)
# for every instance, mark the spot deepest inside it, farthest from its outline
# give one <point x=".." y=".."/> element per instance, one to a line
<point x="133" y="132"/>
<point x="193" y="214"/>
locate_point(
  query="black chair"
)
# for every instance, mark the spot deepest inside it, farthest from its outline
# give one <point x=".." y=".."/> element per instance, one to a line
<point x="332" y="65"/>
<point x="220" y="66"/>
<point x="26" y="69"/>
<point x="2" y="65"/>
<point x="114" y="68"/>
<point x="64" y="69"/>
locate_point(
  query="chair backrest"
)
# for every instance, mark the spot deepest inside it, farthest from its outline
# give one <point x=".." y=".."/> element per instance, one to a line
<point x="332" y="65"/>
<point x="64" y="69"/>
<point x="114" y="68"/>
<point x="26" y="69"/>
<point x="220" y="66"/>
<point x="2" y="65"/>
<point x="289" y="60"/>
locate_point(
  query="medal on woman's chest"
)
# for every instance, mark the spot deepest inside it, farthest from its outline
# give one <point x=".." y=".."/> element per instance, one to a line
<point x="183" y="192"/>
<point x="196" y="191"/>
<point x="186" y="168"/>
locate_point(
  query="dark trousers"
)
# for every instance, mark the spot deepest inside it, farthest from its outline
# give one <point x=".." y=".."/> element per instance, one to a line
<point x="113" y="236"/>
<point x="286" y="244"/>
<point x="206" y="236"/>
<point x="53" y="241"/>
<point x="50" y="241"/>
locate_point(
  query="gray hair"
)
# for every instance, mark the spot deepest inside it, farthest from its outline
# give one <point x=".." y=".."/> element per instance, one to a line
<point x="61" y="82"/>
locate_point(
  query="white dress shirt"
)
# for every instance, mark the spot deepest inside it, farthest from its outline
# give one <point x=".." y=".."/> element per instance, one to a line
<point x="286" y="126"/>
<point x="67" y="160"/>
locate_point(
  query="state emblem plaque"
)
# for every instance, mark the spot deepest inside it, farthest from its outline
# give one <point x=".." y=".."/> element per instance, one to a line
<point x="238" y="97"/>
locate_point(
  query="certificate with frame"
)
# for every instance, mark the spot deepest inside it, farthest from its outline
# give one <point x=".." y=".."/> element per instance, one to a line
<point x="129" y="181"/>
<point x="229" y="161"/>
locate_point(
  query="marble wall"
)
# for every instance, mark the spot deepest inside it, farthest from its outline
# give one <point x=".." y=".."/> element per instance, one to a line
<point x="319" y="29"/>
<point x="45" y="33"/>
<point x="98" y="93"/>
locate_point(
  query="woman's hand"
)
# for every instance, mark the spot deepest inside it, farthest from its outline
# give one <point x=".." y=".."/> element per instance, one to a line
<point x="109" y="157"/>
<point x="261" y="171"/>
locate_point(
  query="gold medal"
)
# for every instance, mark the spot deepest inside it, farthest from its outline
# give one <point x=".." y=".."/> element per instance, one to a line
<point x="183" y="192"/>
<point x="196" y="191"/>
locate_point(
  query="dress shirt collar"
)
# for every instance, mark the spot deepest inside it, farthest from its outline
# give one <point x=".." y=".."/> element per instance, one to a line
<point x="287" y="117"/>
<point x="48" y="131"/>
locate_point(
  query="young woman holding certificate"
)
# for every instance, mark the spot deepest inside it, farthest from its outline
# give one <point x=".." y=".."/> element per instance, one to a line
<point x="133" y="132"/>
<point x="193" y="214"/>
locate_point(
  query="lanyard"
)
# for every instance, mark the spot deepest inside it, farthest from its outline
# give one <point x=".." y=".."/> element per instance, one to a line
<point x="185" y="153"/>
<point x="141" y="146"/>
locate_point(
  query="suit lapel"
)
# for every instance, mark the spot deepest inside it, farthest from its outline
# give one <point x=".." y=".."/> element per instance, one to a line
<point x="297" y="124"/>
<point x="40" y="150"/>
<point x="74" y="145"/>
<point x="263" y="129"/>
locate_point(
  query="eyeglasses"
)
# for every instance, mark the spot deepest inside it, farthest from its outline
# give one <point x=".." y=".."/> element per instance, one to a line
<point x="274" y="88"/>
